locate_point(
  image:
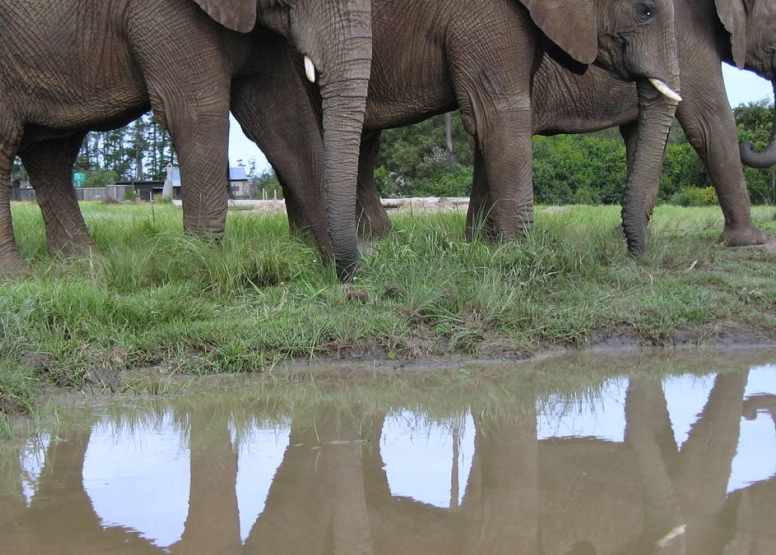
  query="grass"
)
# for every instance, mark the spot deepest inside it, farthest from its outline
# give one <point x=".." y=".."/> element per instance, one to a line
<point x="157" y="298"/>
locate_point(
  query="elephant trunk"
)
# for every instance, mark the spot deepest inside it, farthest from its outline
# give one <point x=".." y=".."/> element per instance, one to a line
<point x="766" y="157"/>
<point x="343" y="94"/>
<point x="656" y="113"/>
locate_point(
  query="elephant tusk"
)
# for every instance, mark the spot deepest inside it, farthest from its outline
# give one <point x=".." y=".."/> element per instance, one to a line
<point x="665" y="90"/>
<point x="309" y="69"/>
<point x="672" y="535"/>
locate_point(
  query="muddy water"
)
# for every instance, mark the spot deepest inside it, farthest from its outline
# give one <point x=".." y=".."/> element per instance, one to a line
<point x="577" y="456"/>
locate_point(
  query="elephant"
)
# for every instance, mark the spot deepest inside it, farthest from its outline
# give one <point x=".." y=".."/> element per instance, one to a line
<point x="740" y="32"/>
<point x="72" y="66"/>
<point x="431" y="58"/>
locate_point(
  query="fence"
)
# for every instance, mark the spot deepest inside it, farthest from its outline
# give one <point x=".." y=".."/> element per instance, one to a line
<point x="118" y="192"/>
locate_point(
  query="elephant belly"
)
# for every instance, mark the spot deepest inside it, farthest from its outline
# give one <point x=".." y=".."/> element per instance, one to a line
<point x="88" y="82"/>
<point x="410" y="80"/>
<point x="403" y="91"/>
<point x="384" y="114"/>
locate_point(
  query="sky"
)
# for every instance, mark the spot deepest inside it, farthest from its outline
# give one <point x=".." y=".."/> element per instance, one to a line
<point x="742" y="87"/>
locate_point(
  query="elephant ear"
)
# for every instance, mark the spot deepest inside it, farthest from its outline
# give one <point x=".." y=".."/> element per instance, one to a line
<point x="571" y="24"/>
<point x="732" y="13"/>
<point x="237" y="15"/>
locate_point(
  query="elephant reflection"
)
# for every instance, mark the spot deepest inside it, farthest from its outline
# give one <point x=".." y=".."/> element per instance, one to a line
<point x="645" y="495"/>
<point x="502" y="500"/>
<point x="60" y="517"/>
<point x="317" y="501"/>
<point x="213" y="521"/>
<point x="584" y="495"/>
<point x="331" y="493"/>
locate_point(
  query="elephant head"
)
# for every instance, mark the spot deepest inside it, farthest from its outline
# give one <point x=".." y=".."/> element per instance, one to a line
<point x="752" y="28"/>
<point x="633" y="40"/>
<point x="335" y="38"/>
<point x="630" y="38"/>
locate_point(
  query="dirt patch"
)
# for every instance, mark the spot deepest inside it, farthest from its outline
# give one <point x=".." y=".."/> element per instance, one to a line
<point x="422" y="352"/>
<point x="425" y="205"/>
<point x="769" y="246"/>
<point x="9" y="406"/>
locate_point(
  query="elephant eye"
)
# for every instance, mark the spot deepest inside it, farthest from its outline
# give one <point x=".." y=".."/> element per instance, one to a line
<point x="646" y="12"/>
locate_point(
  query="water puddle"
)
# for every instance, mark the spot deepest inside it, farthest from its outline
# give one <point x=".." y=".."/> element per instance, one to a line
<point x="580" y="456"/>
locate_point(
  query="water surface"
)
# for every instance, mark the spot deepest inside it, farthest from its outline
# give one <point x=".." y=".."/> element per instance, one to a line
<point x="582" y="456"/>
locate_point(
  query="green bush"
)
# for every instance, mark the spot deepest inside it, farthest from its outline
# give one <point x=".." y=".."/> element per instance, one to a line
<point x="695" y="196"/>
<point x="587" y="195"/>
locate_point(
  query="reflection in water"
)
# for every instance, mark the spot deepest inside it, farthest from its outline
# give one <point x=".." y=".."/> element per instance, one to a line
<point x="426" y="460"/>
<point x="641" y="464"/>
<point x="140" y="480"/>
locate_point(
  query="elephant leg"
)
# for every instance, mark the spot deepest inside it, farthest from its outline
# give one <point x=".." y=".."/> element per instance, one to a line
<point x="492" y="81"/>
<point x="187" y="70"/>
<point x="711" y="129"/>
<point x="503" y="208"/>
<point x="479" y="201"/>
<point x="50" y="166"/>
<point x="372" y="219"/>
<point x="199" y="129"/>
<point x="276" y="111"/>
<point x="628" y="132"/>
<point x="11" y="262"/>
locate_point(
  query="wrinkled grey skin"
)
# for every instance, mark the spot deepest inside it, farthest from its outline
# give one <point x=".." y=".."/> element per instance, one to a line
<point x="568" y="103"/>
<point x="429" y="58"/>
<point x="67" y="67"/>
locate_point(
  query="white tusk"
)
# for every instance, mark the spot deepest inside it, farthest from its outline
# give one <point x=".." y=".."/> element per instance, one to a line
<point x="672" y="534"/>
<point x="665" y="90"/>
<point x="309" y="70"/>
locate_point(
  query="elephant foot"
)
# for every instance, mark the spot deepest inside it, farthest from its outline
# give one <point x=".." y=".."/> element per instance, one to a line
<point x="374" y="226"/>
<point x="489" y="232"/>
<point x="206" y="229"/>
<point x="72" y="246"/>
<point x="742" y="236"/>
<point x="12" y="265"/>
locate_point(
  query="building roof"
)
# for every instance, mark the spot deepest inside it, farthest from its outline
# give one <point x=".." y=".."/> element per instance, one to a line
<point x="238" y="174"/>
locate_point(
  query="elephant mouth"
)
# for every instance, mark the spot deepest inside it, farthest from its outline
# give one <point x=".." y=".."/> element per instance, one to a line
<point x="664" y="89"/>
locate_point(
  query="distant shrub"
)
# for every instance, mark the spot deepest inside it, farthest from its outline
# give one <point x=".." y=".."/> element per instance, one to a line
<point x="695" y="196"/>
<point x="587" y="195"/>
<point x="456" y="183"/>
<point x="130" y="195"/>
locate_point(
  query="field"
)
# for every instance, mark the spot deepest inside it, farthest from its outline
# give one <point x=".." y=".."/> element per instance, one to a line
<point x="157" y="299"/>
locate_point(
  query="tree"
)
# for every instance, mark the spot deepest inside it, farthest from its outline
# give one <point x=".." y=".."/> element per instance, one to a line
<point x="265" y="184"/>
<point x="141" y="150"/>
<point x="413" y="160"/>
